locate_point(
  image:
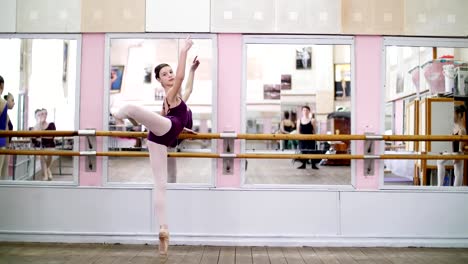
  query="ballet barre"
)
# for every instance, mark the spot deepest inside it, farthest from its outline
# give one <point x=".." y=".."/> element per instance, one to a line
<point x="226" y="155"/>
<point x="321" y="137"/>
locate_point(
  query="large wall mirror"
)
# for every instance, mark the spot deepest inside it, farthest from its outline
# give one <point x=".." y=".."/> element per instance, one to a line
<point x="298" y="85"/>
<point x="41" y="76"/>
<point x="425" y="80"/>
<point x="132" y="80"/>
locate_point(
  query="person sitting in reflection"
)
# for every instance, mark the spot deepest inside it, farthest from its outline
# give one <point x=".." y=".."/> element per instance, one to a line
<point x="44" y="142"/>
<point x="457" y="148"/>
<point x="307" y="125"/>
<point x="286" y="127"/>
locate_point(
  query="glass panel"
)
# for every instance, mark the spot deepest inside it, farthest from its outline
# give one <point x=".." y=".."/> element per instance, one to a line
<point x="301" y="89"/>
<point x="420" y="85"/>
<point x="40" y="76"/>
<point x="133" y="62"/>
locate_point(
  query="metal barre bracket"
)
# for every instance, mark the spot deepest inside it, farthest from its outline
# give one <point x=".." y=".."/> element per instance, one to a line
<point x="373" y="137"/>
<point x="369" y="157"/>
<point x="90" y="152"/>
<point x="228" y="135"/>
<point x="228" y="152"/>
<point x="87" y="132"/>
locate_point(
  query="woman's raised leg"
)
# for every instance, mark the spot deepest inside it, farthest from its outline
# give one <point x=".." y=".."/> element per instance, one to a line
<point x="156" y="123"/>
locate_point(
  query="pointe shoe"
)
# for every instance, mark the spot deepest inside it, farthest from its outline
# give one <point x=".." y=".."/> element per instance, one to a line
<point x="45" y="177"/>
<point x="163" y="241"/>
<point x="118" y="114"/>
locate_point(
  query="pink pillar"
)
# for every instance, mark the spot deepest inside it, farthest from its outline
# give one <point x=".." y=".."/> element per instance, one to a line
<point x="368" y="53"/>
<point x="229" y="99"/>
<point x="91" y="99"/>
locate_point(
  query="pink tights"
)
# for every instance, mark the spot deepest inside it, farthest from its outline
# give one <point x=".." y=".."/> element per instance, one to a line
<point x="159" y="125"/>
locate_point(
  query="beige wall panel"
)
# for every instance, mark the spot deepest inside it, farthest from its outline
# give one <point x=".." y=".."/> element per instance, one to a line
<point x="178" y="16"/>
<point x="418" y="18"/>
<point x="8" y="17"/>
<point x="387" y="17"/>
<point x="373" y="17"/>
<point x="436" y="17"/>
<point x="48" y="16"/>
<point x="243" y="16"/>
<point x="308" y="16"/>
<point x="356" y="16"/>
<point x="113" y="15"/>
<point x="453" y="17"/>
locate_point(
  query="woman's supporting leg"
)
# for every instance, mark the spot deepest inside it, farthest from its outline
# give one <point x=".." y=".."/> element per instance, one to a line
<point x="458" y="171"/>
<point x="441" y="172"/>
<point x="48" y="160"/>
<point x="156" y="123"/>
<point x="45" y="169"/>
<point x="158" y="158"/>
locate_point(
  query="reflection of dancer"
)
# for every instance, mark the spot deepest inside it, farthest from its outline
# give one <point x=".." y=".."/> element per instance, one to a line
<point x="44" y="142"/>
<point x="457" y="148"/>
<point x="343" y="84"/>
<point x="163" y="131"/>
<point x="307" y="125"/>
<point x="305" y="58"/>
<point x="286" y="127"/>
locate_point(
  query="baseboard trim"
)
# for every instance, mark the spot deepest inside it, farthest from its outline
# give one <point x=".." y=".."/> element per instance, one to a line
<point x="233" y="240"/>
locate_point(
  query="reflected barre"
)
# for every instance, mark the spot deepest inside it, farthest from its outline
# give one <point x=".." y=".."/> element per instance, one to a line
<point x="238" y="156"/>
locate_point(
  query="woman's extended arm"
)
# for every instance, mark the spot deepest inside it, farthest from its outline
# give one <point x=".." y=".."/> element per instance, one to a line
<point x="180" y="73"/>
<point x="189" y="84"/>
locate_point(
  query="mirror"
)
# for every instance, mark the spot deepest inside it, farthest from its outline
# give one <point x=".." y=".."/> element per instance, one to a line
<point x="303" y="88"/>
<point x="40" y="75"/>
<point x="132" y="80"/>
<point x="420" y="83"/>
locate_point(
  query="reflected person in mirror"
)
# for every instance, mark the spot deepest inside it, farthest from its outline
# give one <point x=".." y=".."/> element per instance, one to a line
<point x="164" y="130"/>
<point x="44" y="142"/>
<point x="3" y="126"/>
<point x="307" y="125"/>
<point x="458" y="147"/>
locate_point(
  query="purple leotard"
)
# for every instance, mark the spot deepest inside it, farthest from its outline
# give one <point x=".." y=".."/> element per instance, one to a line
<point x="178" y="117"/>
<point x="189" y="125"/>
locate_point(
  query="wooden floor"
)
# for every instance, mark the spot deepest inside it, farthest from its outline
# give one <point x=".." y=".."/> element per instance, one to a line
<point x="34" y="253"/>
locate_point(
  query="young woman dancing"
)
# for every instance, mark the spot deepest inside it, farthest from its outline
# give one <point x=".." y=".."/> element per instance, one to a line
<point x="164" y="130"/>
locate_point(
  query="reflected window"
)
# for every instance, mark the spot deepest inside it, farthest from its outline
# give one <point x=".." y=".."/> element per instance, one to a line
<point x="424" y="84"/>
<point x="41" y="80"/>
<point x="296" y="86"/>
<point x="132" y="80"/>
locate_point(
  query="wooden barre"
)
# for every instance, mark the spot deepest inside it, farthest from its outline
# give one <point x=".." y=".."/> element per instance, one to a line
<point x="239" y="156"/>
<point x="242" y="136"/>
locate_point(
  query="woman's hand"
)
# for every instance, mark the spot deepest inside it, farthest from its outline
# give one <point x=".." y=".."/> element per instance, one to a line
<point x="188" y="131"/>
<point x="195" y="64"/>
<point x="188" y="43"/>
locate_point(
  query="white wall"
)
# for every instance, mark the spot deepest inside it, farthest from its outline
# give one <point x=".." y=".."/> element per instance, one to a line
<point x="237" y="217"/>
